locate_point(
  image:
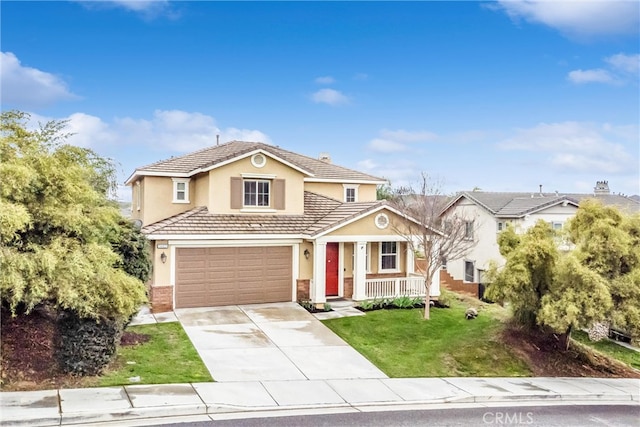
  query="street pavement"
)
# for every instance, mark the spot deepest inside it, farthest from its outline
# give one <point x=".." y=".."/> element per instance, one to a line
<point x="276" y="360"/>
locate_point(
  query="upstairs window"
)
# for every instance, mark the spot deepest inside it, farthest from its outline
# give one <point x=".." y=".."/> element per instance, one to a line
<point x="468" y="230"/>
<point x="256" y="192"/>
<point x="350" y="193"/>
<point x="181" y="190"/>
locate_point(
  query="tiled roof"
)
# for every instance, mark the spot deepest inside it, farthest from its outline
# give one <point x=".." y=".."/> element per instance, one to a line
<point x="513" y="205"/>
<point x="320" y="214"/>
<point x="209" y="157"/>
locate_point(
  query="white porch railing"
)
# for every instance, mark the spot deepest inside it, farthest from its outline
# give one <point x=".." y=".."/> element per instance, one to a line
<point x="395" y="287"/>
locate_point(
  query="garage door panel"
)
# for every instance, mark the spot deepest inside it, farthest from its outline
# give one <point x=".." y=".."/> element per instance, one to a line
<point x="228" y="275"/>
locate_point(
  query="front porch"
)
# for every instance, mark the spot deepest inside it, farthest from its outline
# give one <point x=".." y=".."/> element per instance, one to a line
<point x="364" y="270"/>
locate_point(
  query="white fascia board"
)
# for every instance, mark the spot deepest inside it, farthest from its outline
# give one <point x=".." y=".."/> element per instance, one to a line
<point x="378" y="209"/>
<point x="364" y="238"/>
<point x="142" y="172"/>
<point x="249" y="154"/>
<point x="223" y="237"/>
<point x="352" y="220"/>
<point x="234" y="243"/>
<point x="139" y="173"/>
<point x="345" y="181"/>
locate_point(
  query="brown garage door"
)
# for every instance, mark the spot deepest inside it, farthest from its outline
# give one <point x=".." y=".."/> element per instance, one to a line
<point x="224" y="276"/>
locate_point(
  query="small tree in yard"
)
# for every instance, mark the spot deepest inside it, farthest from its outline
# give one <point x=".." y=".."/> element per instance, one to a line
<point x="598" y="280"/>
<point x="434" y="234"/>
<point x="58" y="228"/>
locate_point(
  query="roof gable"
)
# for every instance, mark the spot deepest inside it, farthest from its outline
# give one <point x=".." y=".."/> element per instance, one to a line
<point x="516" y="205"/>
<point x="218" y="155"/>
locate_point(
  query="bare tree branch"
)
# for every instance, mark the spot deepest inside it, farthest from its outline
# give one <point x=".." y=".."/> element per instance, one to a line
<point x="432" y="234"/>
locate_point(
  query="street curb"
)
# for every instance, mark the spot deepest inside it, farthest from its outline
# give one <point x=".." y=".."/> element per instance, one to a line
<point x="229" y="412"/>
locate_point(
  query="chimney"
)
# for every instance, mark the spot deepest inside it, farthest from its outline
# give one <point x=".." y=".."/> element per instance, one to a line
<point x="325" y="157"/>
<point x="217" y="139"/>
<point x="602" y="187"/>
<point x="541" y="190"/>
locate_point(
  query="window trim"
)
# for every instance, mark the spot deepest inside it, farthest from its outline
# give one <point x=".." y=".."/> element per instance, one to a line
<point x="257" y="181"/>
<point x="184" y="181"/>
<point x="353" y="187"/>
<point x="396" y="269"/>
<point x="138" y="195"/>
<point x="468" y="230"/>
<point x="473" y="271"/>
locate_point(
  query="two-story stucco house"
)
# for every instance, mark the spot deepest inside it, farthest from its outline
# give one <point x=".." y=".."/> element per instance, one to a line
<point x="246" y="222"/>
<point x="492" y="212"/>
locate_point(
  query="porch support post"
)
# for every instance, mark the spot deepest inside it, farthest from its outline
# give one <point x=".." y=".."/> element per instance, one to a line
<point x="360" y="273"/>
<point x="318" y="285"/>
<point x="411" y="262"/>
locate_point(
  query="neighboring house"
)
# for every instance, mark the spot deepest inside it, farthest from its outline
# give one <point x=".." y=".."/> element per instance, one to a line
<point x="492" y="212"/>
<point x="246" y="222"/>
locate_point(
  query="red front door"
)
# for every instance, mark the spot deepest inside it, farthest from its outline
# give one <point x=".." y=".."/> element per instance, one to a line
<point x="331" y="275"/>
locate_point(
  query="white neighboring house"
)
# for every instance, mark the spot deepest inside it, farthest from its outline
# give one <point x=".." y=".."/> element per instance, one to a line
<point x="493" y="211"/>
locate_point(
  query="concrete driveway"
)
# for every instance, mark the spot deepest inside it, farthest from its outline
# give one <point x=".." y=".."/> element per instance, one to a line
<point x="262" y="342"/>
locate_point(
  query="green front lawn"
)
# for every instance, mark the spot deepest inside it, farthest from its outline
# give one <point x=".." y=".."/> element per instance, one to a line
<point x="402" y="344"/>
<point x="623" y="354"/>
<point x="168" y="357"/>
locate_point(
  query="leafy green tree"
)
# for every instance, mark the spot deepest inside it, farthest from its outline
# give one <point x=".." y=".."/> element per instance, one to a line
<point x="608" y="243"/>
<point x="57" y="226"/>
<point x="598" y="280"/>
<point x="530" y="268"/>
<point x="134" y="250"/>
<point x="384" y="192"/>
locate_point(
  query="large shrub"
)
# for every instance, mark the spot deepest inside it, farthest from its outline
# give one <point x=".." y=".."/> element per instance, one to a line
<point x="84" y="346"/>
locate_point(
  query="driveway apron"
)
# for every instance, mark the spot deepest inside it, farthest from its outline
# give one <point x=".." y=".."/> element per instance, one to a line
<point x="266" y="342"/>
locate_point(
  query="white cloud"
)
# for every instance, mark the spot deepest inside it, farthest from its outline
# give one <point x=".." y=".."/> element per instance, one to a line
<point x="89" y="131"/>
<point x="621" y="62"/>
<point x="393" y="141"/>
<point x="361" y="76"/>
<point x="577" y="18"/>
<point x="330" y="97"/>
<point x="366" y="165"/>
<point x="623" y="68"/>
<point x="27" y="87"/>
<point x="183" y="131"/>
<point x="386" y="146"/>
<point x="591" y="76"/>
<point x="408" y="136"/>
<point x="580" y="147"/>
<point x="147" y="8"/>
<point x="172" y="130"/>
<point x="325" y="80"/>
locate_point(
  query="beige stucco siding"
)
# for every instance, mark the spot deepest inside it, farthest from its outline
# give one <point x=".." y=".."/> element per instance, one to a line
<point x="137" y="205"/>
<point x="161" y="275"/>
<point x="366" y="192"/>
<point x="306" y="265"/>
<point x="220" y="185"/>
<point x="366" y="226"/>
<point x="201" y="196"/>
<point x="158" y="199"/>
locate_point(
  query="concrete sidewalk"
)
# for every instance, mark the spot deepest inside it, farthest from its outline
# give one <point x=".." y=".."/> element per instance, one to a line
<point x="147" y="404"/>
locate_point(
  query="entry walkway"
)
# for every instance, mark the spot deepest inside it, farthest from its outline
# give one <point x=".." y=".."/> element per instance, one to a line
<point x="269" y="342"/>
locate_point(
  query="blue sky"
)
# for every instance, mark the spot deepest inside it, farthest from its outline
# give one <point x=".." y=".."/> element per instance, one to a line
<point x="504" y="96"/>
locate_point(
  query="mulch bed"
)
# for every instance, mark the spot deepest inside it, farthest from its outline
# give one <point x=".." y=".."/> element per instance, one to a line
<point x="542" y="352"/>
<point x="27" y="359"/>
